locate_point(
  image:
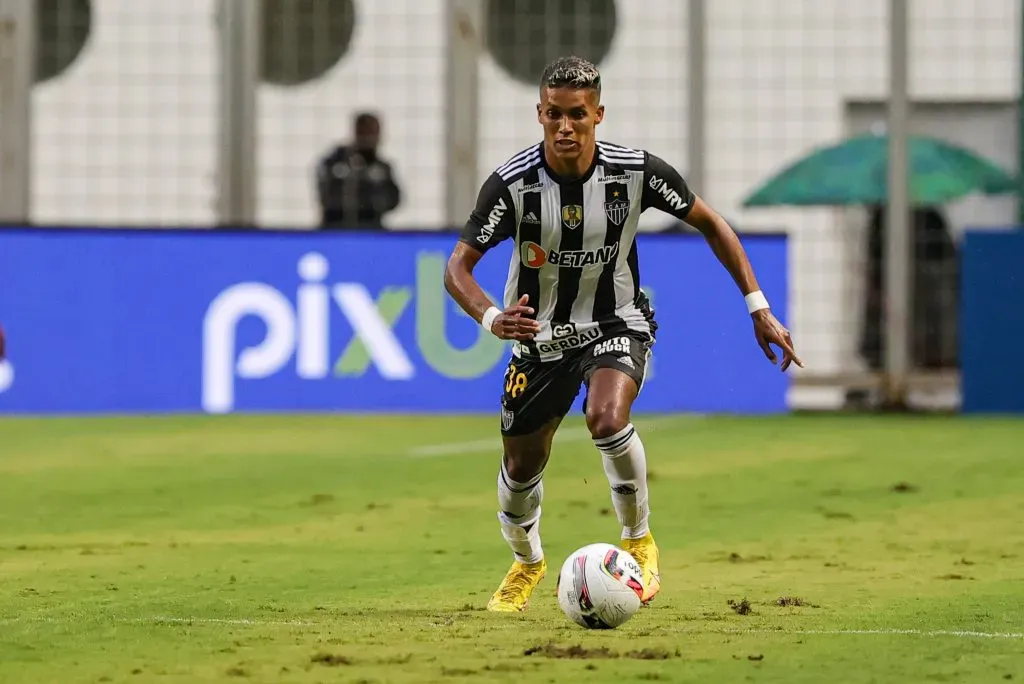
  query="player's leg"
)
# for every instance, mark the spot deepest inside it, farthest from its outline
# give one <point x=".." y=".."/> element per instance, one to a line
<point x="614" y="373"/>
<point x="536" y="398"/>
<point x="520" y="492"/>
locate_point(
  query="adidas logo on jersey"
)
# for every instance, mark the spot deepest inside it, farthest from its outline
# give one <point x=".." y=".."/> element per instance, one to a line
<point x="627" y="362"/>
<point x="530" y="218"/>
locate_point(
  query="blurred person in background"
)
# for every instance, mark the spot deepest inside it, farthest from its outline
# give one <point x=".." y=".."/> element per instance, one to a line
<point x="934" y="296"/>
<point x="355" y="186"/>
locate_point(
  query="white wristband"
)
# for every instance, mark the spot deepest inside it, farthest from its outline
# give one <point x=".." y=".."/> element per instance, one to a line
<point x="488" y="318"/>
<point x="756" y="301"/>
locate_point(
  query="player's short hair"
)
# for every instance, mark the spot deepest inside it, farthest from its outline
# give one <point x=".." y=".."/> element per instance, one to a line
<point x="571" y="72"/>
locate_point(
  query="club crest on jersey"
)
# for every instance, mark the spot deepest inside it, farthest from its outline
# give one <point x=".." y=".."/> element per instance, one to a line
<point x="617" y="210"/>
<point x="572" y="216"/>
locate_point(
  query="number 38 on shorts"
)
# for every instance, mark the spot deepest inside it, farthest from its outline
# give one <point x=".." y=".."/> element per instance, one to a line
<point x="515" y="381"/>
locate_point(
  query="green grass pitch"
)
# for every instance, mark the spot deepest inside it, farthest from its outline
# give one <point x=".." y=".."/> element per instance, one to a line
<point x="363" y="549"/>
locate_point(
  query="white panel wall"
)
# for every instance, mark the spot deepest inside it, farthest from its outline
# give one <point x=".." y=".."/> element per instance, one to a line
<point x="644" y="93"/>
<point x="780" y="73"/>
<point x="127" y="135"/>
<point x="395" y="66"/>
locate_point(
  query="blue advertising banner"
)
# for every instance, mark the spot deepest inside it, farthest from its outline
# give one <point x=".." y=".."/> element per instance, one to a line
<point x="129" y="321"/>
<point x="992" y="321"/>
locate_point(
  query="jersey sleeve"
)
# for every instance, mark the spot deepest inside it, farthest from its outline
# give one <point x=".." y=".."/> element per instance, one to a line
<point x="665" y="189"/>
<point x="494" y="217"/>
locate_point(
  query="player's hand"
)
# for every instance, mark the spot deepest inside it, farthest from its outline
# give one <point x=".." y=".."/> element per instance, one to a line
<point x="512" y="323"/>
<point x="769" y="331"/>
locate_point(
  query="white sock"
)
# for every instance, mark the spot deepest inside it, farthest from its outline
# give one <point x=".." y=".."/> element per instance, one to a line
<point x="520" y="515"/>
<point x="625" y="464"/>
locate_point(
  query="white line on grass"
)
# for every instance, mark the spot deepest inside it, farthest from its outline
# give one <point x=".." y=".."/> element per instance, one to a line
<point x="494" y="443"/>
<point x="224" y="621"/>
<point x="962" y="633"/>
<point x="161" y="620"/>
<point x="257" y="622"/>
<point x="957" y="633"/>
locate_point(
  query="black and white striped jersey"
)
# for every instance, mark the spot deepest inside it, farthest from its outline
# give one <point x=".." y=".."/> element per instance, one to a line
<point x="575" y="252"/>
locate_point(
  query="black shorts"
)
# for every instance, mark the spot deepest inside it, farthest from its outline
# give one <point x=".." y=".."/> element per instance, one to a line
<point x="535" y="392"/>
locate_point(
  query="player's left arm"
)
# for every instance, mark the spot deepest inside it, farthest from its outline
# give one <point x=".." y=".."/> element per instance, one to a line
<point x="665" y="189"/>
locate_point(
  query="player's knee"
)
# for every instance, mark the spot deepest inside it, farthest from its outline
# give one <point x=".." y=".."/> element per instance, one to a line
<point x="605" y="419"/>
<point x="522" y="467"/>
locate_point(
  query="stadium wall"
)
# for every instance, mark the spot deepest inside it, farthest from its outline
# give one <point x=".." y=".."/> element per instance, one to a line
<point x="136" y="321"/>
<point x="127" y="134"/>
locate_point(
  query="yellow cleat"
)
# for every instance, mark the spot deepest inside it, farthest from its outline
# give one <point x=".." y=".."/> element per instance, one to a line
<point x="645" y="552"/>
<point x="514" y="591"/>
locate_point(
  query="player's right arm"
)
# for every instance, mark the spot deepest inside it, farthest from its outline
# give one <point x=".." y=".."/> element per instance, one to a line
<point x="665" y="189"/>
<point x="491" y="221"/>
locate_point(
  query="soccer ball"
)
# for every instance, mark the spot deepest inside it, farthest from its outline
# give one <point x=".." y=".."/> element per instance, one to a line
<point x="599" y="586"/>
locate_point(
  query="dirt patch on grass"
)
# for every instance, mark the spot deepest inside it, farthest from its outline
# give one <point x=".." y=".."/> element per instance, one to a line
<point x="903" y="488"/>
<point x="734" y="557"/>
<point x="330" y="659"/>
<point x="570" y="652"/>
<point x="796" y="601"/>
<point x="829" y="514"/>
<point x="740" y="607"/>
<point x="456" y="672"/>
<point x="650" y="654"/>
<point x="318" y="500"/>
<point x="579" y="652"/>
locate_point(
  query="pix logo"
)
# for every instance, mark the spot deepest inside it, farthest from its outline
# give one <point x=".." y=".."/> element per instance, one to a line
<point x="303" y="331"/>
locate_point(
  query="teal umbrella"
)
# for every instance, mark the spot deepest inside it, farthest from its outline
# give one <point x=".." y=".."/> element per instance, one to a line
<point x="856" y="172"/>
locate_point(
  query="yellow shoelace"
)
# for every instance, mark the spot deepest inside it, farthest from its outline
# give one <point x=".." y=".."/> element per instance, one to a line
<point x="515" y="585"/>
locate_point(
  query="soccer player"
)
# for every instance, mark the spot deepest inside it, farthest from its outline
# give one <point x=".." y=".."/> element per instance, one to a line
<point x="575" y="311"/>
